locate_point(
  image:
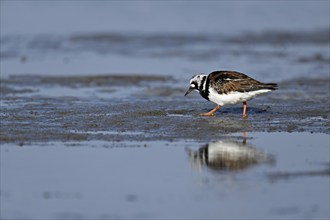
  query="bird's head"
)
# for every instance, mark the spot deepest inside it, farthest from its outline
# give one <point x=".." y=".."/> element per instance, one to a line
<point x="196" y="83"/>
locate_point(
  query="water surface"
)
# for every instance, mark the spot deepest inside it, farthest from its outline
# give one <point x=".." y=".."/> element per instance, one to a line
<point x="159" y="179"/>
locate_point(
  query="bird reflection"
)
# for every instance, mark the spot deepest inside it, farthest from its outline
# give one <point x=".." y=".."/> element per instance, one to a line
<point x="228" y="155"/>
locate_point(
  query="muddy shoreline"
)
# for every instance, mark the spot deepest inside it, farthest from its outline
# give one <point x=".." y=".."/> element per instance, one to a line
<point x="142" y="107"/>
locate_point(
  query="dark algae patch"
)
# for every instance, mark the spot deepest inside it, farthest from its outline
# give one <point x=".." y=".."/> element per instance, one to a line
<point x="92" y="81"/>
<point x="154" y="112"/>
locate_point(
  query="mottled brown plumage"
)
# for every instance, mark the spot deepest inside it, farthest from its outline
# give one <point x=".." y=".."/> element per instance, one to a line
<point x="229" y="81"/>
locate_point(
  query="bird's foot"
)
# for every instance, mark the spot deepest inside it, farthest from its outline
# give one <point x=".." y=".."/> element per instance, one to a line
<point x="210" y="113"/>
<point x="244" y="116"/>
<point x="207" y="114"/>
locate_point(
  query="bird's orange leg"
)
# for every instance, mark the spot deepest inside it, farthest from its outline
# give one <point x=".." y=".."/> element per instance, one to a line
<point x="244" y="110"/>
<point x="210" y="113"/>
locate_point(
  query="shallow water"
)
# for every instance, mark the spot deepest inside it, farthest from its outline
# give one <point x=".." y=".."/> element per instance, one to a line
<point x="180" y="56"/>
<point x="271" y="175"/>
<point x="269" y="41"/>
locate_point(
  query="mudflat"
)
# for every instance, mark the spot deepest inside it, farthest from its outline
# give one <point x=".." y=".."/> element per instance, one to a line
<point x="38" y="108"/>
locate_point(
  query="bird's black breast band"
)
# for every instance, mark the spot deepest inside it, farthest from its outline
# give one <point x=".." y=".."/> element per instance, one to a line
<point x="205" y="93"/>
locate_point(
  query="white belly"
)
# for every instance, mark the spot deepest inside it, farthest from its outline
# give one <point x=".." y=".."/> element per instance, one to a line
<point x="234" y="97"/>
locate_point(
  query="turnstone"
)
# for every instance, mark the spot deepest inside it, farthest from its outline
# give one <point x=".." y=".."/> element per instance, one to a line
<point x="228" y="87"/>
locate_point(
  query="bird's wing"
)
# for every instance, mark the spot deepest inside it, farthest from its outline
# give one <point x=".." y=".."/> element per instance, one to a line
<point x="225" y="82"/>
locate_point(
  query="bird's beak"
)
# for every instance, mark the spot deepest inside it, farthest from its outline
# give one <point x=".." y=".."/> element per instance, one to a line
<point x="189" y="90"/>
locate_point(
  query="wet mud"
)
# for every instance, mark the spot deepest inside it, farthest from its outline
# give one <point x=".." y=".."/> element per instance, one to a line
<point x="137" y="107"/>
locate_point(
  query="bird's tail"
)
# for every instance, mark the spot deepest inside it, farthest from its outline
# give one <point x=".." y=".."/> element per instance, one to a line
<point x="271" y="86"/>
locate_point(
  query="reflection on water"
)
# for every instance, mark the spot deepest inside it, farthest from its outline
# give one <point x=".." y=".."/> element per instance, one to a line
<point x="229" y="155"/>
